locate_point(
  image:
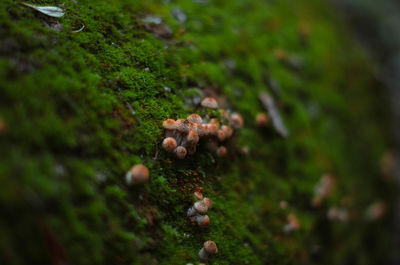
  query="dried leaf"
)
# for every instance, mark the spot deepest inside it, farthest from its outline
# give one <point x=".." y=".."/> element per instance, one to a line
<point x="51" y="11"/>
<point x="273" y="112"/>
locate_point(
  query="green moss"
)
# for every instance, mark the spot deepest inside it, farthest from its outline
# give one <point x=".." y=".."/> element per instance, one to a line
<point x="82" y="108"/>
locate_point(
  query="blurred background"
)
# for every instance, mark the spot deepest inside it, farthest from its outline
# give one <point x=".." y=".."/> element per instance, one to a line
<point x="376" y="24"/>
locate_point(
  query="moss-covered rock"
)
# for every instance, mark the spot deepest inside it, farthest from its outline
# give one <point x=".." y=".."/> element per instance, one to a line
<point x="79" y="107"/>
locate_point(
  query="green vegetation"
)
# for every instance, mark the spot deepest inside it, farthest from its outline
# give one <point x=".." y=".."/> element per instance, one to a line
<point x="81" y="108"/>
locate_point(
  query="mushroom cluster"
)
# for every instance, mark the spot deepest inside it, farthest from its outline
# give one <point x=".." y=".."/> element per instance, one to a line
<point x="182" y="136"/>
<point x="197" y="213"/>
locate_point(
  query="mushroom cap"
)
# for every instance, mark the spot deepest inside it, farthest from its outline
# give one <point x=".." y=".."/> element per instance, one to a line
<point x="210" y="247"/>
<point x="202" y="220"/>
<point x="180" y="152"/>
<point x="221" y="135"/>
<point x="206" y="130"/>
<point x="236" y="120"/>
<point x="227" y="130"/>
<point x="209" y="103"/>
<point x="208" y="202"/>
<point x="169" y="124"/>
<point x="221" y="151"/>
<point x="195" y="118"/>
<point x="199" y="128"/>
<point x="138" y="174"/>
<point x="183" y="126"/>
<point x="193" y="137"/>
<point x="169" y="144"/>
<point x="198" y="195"/>
<point x="213" y="128"/>
<point x="200" y="207"/>
<point x="262" y="119"/>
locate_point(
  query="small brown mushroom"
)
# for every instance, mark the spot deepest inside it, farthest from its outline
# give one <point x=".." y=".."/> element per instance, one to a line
<point x="192" y="138"/>
<point x="197" y="208"/>
<point x="201" y="220"/>
<point x="292" y="225"/>
<point x="198" y="195"/>
<point x="195" y="118"/>
<point x="170" y="127"/>
<point x="236" y="121"/>
<point x="180" y="152"/>
<point x="209" y="248"/>
<point x="213" y="128"/>
<point x="183" y="126"/>
<point x="221" y="151"/>
<point x="169" y="124"/>
<point x="138" y="174"/>
<point x="169" y="144"/>
<point x="221" y="135"/>
<point x="227" y="130"/>
<point x="209" y="103"/>
<point x="208" y="202"/>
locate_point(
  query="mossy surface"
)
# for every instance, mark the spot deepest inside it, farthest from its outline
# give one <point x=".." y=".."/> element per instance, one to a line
<point x="81" y="108"/>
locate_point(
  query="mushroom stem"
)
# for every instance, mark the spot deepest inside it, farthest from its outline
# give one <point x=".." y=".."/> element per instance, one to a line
<point x="203" y="254"/>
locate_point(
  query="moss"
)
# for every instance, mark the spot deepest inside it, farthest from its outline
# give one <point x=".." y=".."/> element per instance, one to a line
<point x="82" y="108"/>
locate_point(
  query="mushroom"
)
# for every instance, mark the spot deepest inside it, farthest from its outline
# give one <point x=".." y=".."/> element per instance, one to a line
<point x="138" y="174"/>
<point x="208" y="202"/>
<point x="197" y="208"/>
<point x="209" y="103"/>
<point x="236" y="121"/>
<point x="221" y="151"/>
<point x="192" y="138"/>
<point x="201" y="220"/>
<point x="292" y="225"/>
<point x="227" y="130"/>
<point x="209" y="248"/>
<point x="202" y="130"/>
<point x="169" y="144"/>
<point x="180" y="152"/>
<point x="221" y="135"/>
<point x="213" y="128"/>
<point x="183" y="126"/>
<point x="262" y="120"/>
<point x="198" y="195"/>
<point x="195" y="118"/>
<point x="170" y="126"/>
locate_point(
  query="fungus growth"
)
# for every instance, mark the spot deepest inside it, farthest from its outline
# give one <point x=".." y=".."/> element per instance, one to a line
<point x="182" y="136"/>
<point x="138" y="174"/>
<point x="197" y="213"/>
<point x="209" y="248"/>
